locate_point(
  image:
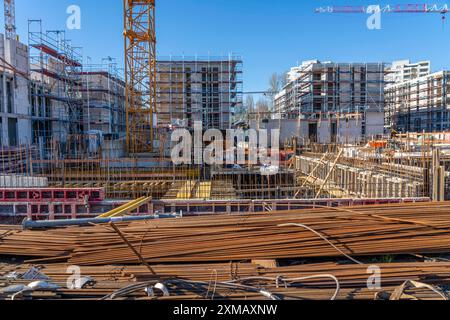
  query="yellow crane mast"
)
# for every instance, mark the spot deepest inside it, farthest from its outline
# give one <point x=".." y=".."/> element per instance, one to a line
<point x="140" y="73"/>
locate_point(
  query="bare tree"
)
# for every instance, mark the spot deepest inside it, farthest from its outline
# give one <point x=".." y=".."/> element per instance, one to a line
<point x="274" y="83"/>
<point x="262" y="106"/>
<point x="283" y="79"/>
<point x="250" y="104"/>
<point x="274" y="88"/>
<point x="246" y="109"/>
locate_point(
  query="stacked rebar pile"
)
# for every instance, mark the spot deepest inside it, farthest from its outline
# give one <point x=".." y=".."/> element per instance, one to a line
<point x="361" y="231"/>
<point x="281" y="281"/>
<point x="195" y="255"/>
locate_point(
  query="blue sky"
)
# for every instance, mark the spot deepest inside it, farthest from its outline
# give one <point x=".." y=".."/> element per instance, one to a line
<point x="270" y="35"/>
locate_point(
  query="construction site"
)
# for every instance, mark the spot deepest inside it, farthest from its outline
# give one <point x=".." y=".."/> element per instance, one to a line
<point x="87" y="176"/>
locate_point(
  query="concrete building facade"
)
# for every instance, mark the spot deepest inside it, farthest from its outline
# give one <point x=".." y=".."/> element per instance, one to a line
<point x="15" y="124"/>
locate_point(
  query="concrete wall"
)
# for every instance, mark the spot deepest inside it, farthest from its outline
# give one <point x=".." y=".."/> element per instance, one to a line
<point x="14" y="107"/>
<point x="348" y="130"/>
<point x="374" y="123"/>
<point x="113" y="149"/>
<point x="288" y="128"/>
<point x="323" y="131"/>
<point x="16" y="181"/>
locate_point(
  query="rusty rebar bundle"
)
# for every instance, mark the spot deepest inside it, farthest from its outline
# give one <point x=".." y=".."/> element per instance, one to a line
<point x="195" y="255"/>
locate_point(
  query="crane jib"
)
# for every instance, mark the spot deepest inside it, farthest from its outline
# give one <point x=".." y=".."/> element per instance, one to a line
<point x="399" y="8"/>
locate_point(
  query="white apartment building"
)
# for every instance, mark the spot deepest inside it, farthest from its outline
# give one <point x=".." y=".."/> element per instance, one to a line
<point x="404" y="70"/>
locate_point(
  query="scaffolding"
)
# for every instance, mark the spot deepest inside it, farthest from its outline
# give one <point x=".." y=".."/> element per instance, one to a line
<point x="334" y="175"/>
<point x="419" y="105"/>
<point x="103" y="93"/>
<point x="335" y="102"/>
<point x="193" y="89"/>
<point x="328" y="89"/>
<point x="56" y="103"/>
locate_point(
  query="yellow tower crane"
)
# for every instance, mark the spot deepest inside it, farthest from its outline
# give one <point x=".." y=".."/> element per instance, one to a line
<point x="140" y="74"/>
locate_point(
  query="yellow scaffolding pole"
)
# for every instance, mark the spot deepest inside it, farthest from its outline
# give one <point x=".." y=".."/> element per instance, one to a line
<point x="126" y="208"/>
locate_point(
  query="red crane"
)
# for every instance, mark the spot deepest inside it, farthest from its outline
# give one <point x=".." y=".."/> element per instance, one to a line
<point x="441" y="9"/>
<point x="398" y="8"/>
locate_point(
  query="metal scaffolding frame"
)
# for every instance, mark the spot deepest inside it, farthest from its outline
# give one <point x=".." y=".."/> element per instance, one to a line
<point x="419" y="104"/>
<point x="207" y="89"/>
<point x="56" y="102"/>
<point x="103" y="92"/>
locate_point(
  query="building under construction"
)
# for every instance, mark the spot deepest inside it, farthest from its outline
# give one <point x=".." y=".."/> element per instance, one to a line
<point x="88" y="178"/>
<point x="90" y="151"/>
<point x="56" y="104"/>
<point x="103" y="94"/>
<point x="334" y="102"/>
<point x="420" y="104"/>
<point x="206" y="89"/>
<point x="16" y="119"/>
